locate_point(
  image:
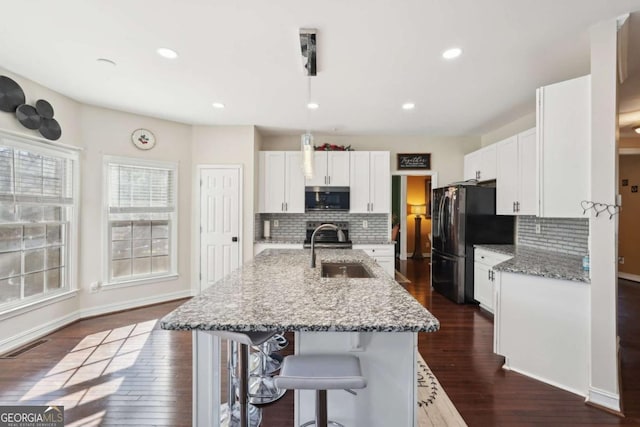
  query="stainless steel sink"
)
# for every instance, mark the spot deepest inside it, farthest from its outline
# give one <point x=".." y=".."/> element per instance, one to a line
<point x="348" y="270"/>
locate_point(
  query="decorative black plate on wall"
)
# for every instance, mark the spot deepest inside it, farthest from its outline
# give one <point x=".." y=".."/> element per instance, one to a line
<point x="11" y="95"/>
<point x="28" y="116"/>
<point x="44" y="109"/>
<point x="50" y="129"/>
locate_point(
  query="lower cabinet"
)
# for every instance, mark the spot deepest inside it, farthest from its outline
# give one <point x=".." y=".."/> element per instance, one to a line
<point x="484" y="277"/>
<point x="383" y="254"/>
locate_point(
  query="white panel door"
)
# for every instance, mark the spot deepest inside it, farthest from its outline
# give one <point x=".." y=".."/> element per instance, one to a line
<point x="294" y="183"/>
<point x="338" y="168"/>
<point x="528" y="174"/>
<point x="359" y="182"/>
<point x="219" y="224"/>
<point x="507" y="176"/>
<point x="380" y="179"/>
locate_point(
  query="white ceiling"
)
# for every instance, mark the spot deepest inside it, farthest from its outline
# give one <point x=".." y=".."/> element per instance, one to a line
<point x="373" y="55"/>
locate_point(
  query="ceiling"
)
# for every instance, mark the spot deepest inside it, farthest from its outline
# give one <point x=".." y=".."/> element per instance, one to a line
<point x="373" y="55"/>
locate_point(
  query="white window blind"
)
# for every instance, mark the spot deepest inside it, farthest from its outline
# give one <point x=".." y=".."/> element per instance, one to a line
<point x="134" y="189"/>
<point x="27" y="176"/>
<point x="141" y="219"/>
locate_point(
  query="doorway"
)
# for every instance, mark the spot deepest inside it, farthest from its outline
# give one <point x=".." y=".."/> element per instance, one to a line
<point x="219" y="225"/>
<point x="628" y="227"/>
<point x="412" y="190"/>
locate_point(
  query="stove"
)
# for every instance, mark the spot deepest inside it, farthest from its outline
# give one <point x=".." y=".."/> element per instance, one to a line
<point x="328" y="238"/>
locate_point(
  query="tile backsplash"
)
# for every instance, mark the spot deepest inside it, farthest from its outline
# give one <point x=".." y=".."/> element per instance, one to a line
<point x="565" y="235"/>
<point x="292" y="227"/>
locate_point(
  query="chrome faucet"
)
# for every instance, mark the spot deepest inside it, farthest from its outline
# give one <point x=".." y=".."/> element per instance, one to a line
<point x="341" y="238"/>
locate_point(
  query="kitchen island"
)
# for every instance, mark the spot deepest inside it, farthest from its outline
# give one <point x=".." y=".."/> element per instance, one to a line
<point x="375" y="318"/>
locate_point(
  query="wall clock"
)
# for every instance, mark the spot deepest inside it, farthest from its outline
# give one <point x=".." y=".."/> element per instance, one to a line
<point x="144" y="139"/>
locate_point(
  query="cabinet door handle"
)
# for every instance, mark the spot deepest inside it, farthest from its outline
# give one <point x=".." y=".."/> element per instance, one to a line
<point x="329" y="178"/>
<point x="489" y="274"/>
<point x="286" y="206"/>
<point x="514" y="207"/>
<point x="517" y="206"/>
<point x="282" y="206"/>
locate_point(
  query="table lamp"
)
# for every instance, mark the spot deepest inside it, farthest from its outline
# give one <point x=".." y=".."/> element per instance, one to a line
<point x="418" y="210"/>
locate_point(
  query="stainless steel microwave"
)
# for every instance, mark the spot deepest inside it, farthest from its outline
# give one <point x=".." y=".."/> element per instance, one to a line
<point x="326" y="199"/>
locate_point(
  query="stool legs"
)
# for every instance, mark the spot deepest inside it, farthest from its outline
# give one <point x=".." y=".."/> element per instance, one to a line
<point x="321" y="408"/>
<point x="243" y="384"/>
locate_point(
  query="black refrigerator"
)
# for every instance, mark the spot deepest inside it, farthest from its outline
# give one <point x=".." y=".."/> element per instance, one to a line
<point x="463" y="216"/>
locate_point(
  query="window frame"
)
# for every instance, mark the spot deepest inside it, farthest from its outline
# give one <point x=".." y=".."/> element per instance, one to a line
<point x="70" y="258"/>
<point x="107" y="281"/>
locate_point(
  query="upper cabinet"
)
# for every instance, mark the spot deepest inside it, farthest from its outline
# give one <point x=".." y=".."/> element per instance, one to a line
<point x="370" y="182"/>
<point x="282" y="182"/>
<point x="564" y="137"/>
<point x="516" y="175"/>
<point x="481" y="164"/>
<point x="330" y="169"/>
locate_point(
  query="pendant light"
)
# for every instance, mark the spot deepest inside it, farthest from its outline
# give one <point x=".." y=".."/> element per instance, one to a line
<point x="308" y="51"/>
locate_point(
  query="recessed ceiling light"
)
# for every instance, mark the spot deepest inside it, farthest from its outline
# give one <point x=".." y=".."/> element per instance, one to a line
<point x="313" y="105"/>
<point x="165" y="52"/>
<point x="218" y="105"/>
<point x="408" y="106"/>
<point x="636" y="129"/>
<point x="451" y="53"/>
<point x="106" y="61"/>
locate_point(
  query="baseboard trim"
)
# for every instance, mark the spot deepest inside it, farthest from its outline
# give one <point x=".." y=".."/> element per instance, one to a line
<point x="604" y="400"/>
<point x="629" y="276"/>
<point x="20" y="339"/>
<point x="507" y="366"/>
<point x="127" y="305"/>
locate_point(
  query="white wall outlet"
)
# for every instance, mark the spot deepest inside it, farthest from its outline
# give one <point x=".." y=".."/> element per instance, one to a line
<point x="538" y="228"/>
<point x="95" y="287"/>
<point x="365" y="223"/>
<point x="276" y="223"/>
<point x="620" y="260"/>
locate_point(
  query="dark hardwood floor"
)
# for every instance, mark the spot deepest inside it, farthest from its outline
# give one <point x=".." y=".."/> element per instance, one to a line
<point x="121" y="369"/>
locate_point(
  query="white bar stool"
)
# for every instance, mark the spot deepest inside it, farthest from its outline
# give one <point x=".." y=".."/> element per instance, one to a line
<point x="244" y="340"/>
<point x="321" y="373"/>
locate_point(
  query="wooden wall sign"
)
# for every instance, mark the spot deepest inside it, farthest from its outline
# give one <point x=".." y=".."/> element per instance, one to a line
<point x="414" y="161"/>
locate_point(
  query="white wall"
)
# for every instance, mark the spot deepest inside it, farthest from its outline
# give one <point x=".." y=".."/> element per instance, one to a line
<point x="231" y="145"/>
<point x="108" y="132"/>
<point x="447" y="153"/>
<point x="510" y="129"/>
<point x="603" y="249"/>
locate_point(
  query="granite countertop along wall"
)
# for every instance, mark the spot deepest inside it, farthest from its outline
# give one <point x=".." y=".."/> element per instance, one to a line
<point x="537" y="262"/>
<point x="278" y="291"/>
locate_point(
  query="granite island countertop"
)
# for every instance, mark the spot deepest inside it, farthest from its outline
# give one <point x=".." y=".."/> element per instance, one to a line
<point x="278" y="290"/>
<point x="538" y="262"/>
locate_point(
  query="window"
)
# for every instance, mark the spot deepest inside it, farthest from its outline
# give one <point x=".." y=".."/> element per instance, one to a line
<point x="141" y="219"/>
<point x="37" y="221"/>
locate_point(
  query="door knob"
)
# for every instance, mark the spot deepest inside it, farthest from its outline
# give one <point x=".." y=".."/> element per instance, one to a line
<point x="234" y="239"/>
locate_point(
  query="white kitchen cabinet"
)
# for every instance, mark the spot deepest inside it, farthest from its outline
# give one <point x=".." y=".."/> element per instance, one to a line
<point x="484" y="276"/>
<point x="330" y="169"/>
<point x="281" y="186"/>
<point x="383" y="254"/>
<point x="517" y="175"/>
<point x="563" y="116"/>
<point x="481" y="164"/>
<point x="370" y="182"/>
